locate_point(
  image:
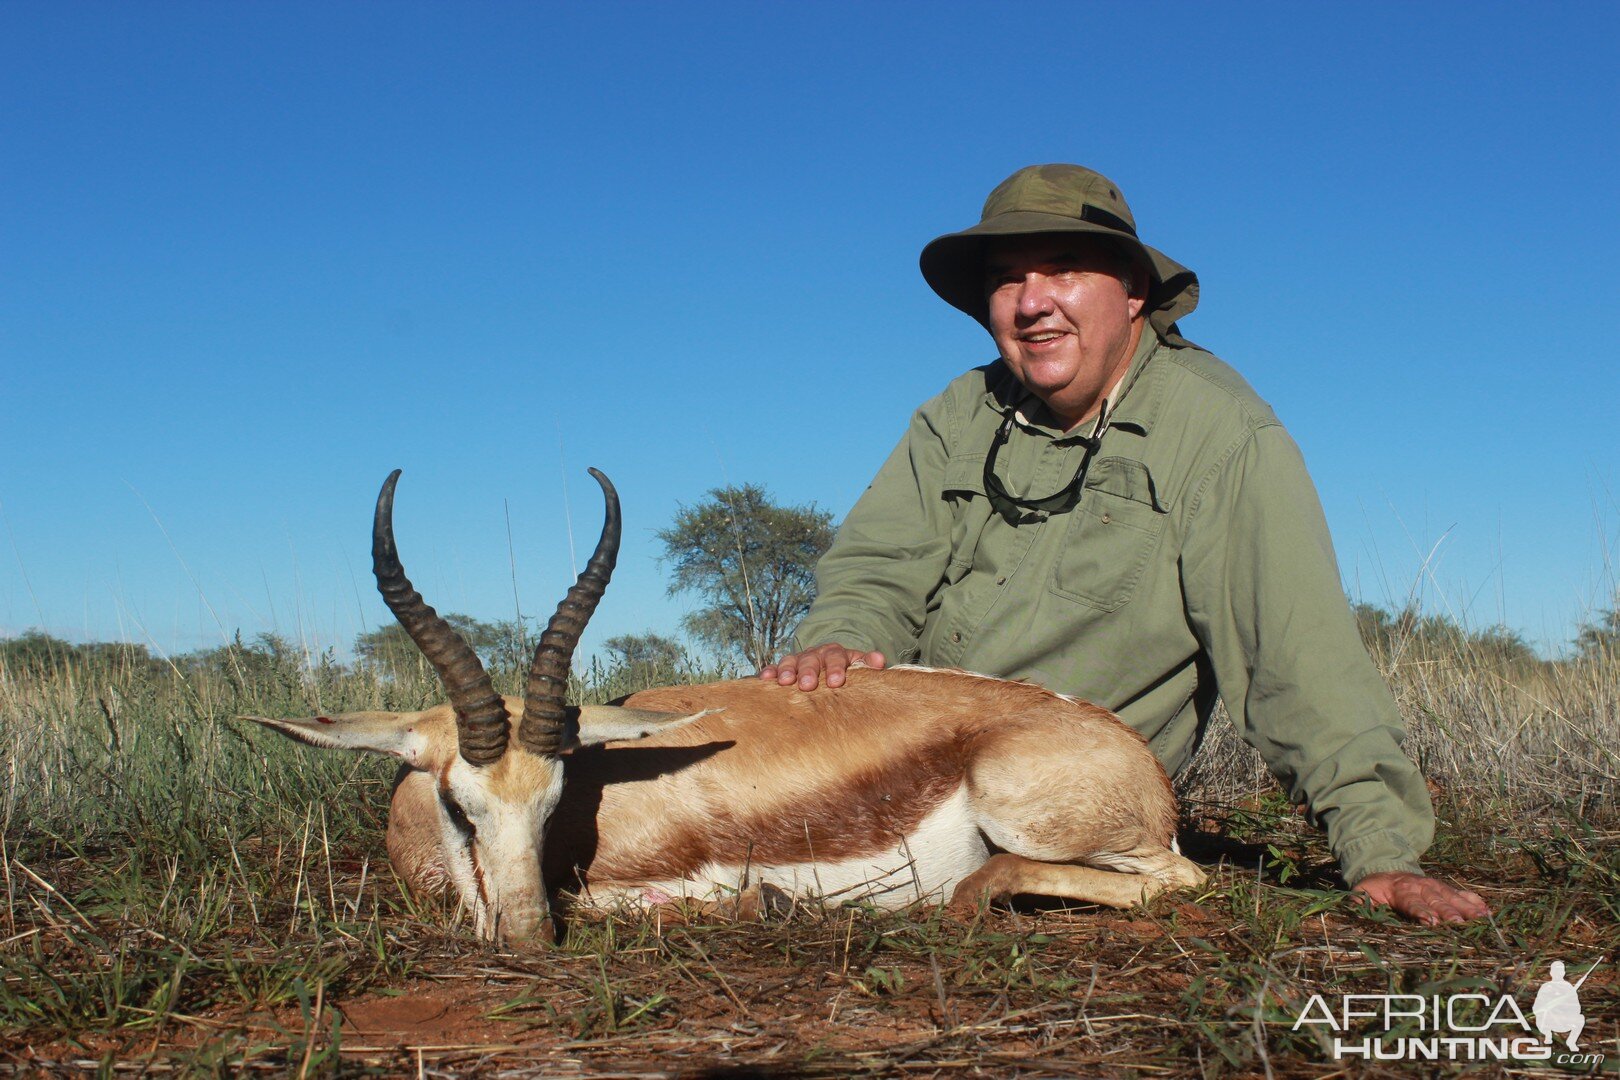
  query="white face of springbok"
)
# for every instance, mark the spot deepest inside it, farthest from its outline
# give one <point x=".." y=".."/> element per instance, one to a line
<point x="496" y="793"/>
<point x="490" y="819"/>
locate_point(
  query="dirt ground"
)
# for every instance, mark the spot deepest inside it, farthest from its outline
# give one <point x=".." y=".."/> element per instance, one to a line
<point x="1207" y="984"/>
<point x="1168" y="991"/>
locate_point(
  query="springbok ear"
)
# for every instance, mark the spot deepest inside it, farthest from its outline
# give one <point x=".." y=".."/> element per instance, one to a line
<point x="608" y="723"/>
<point x="411" y="736"/>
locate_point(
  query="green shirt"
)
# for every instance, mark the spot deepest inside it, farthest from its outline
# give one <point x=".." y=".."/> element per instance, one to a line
<point x="1196" y="558"/>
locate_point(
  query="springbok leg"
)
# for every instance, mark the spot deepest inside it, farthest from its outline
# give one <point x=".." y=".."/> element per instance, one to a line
<point x="1006" y="875"/>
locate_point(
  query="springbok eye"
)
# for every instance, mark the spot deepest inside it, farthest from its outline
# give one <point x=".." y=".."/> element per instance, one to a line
<point x="458" y="816"/>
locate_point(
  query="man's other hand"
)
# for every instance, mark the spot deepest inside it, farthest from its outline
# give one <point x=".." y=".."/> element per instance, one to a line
<point x="1422" y="899"/>
<point x="809" y="667"/>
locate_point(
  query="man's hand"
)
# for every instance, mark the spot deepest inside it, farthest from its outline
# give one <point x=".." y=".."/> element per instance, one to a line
<point x="1422" y="899"/>
<point x="807" y="668"/>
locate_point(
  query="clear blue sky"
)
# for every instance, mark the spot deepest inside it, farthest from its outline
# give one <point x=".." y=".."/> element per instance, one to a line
<point x="254" y="256"/>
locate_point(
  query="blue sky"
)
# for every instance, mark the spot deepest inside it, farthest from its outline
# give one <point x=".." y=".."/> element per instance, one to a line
<point x="256" y="256"/>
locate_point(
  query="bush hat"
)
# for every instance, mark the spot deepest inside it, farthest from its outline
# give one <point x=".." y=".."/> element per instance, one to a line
<point x="1045" y="199"/>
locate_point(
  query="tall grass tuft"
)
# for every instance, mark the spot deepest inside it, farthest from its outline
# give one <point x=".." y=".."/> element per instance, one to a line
<point x="1494" y="728"/>
<point x="106" y="744"/>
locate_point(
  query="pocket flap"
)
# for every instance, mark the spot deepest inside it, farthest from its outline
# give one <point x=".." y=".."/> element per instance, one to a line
<point x="1126" y="478"/>
<point x="965" y="474"/>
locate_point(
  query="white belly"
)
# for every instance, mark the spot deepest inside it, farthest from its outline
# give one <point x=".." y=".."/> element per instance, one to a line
<point x="925" y="865"/>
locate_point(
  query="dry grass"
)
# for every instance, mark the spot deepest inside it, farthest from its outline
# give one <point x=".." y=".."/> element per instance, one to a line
<point x="1507" y="735"/>
<point x="184" y="895"/>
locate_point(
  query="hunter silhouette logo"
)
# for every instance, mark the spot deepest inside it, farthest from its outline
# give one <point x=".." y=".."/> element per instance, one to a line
<point x="1558" y="1006"/>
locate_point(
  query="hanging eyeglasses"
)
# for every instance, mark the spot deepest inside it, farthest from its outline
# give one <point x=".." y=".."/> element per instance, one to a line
<point x="1016" y="511"/>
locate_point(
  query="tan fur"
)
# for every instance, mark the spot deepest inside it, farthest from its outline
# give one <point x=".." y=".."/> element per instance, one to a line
<point x="774" y="776"/>
<point x="415" y="848"/>
<point x="1007" y="875"/>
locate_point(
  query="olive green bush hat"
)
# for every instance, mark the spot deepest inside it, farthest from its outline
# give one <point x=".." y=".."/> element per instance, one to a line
<point x="1043" y="199"/>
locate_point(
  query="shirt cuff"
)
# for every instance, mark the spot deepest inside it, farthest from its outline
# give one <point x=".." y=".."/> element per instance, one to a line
<point x="1377" y="853"/>
<point x="849" y="639"/>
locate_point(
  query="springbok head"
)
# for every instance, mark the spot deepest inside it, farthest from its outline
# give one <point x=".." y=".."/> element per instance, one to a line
<point x="496" y="793"/>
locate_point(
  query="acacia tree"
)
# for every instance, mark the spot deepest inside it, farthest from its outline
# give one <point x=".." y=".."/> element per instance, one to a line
<point x="753" y="564"/>
<point x="390" y="649"/>
<point x="648" y="650"/>
<point x="648" y="659"/>
<point x="42" y="652"/>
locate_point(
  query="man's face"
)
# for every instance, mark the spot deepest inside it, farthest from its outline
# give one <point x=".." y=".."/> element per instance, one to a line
<point x="1062" y="318"/>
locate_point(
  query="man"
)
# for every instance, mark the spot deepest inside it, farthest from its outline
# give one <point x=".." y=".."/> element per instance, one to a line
<point x="1112" y="512"/>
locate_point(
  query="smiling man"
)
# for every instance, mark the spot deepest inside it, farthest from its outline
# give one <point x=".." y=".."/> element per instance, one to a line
<point x="1112" y="512"/>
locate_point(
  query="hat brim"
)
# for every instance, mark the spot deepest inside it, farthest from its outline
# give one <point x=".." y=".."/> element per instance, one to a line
<point x="953" y="264"/>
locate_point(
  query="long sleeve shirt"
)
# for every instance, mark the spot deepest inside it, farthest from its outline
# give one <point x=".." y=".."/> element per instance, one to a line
<point x="1197" y="560"/>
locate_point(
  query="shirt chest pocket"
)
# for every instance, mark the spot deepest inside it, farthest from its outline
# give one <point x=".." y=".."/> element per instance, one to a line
<point x="1111" y="536"/>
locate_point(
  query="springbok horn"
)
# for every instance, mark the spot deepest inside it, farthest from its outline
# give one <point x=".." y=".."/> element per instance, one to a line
<point x="482" y="726"/>
<point x="542" y="728"/>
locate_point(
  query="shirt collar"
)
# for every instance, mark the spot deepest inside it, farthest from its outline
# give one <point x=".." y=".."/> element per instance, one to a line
<point x="1140" y="394"/>
<point x="1133" y="402"/>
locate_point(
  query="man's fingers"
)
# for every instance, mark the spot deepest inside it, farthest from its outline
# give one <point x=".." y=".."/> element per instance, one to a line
<point x="1422" y="899"/>
<point x="838" y="662"/>
<point x="809" y="670"/>
<point x="1460" y="905"/>
<point x="833" y="661"/>
<point x="1436" y="909"/>
<point x="1449" y="903"/>
<point x="1414" y="904"/>
<point x="1434" y="902"/>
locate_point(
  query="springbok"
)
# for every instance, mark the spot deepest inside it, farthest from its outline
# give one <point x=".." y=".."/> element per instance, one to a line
<point x="904" y="784"/>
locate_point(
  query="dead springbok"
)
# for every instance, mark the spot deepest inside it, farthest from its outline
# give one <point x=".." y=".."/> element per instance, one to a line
<point x="895" y="787"/>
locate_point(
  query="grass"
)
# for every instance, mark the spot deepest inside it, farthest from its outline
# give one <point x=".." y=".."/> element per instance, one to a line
<point x="186" y="894"/>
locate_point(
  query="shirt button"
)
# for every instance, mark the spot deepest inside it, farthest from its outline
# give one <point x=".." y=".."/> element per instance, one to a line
<point x="956" y="635"/>
<point x="1001" y="581"/>
<point x="1105" y="518"/>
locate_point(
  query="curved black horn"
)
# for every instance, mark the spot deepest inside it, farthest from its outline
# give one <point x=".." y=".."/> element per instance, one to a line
<point x="542" y="727"/>
<point x="482" y="726"/>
